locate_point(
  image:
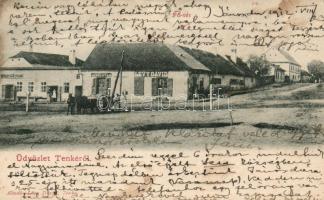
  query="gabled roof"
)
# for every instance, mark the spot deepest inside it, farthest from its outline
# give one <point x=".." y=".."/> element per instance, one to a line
<point x="140" y="56"/>
<point x="242" y="66"/>
<point x="280" y="56"/>
<point x="46" y="59"/>
<point x="215" y="63"/>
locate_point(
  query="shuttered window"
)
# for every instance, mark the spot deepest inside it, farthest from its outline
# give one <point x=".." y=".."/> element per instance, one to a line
<point x="94" y="86"/>
<point x="170" y="87"/>
<point x="139" y="86"/>
<point x="154" y="87"/>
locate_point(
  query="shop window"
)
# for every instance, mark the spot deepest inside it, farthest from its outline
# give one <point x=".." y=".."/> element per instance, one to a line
<point x="19" y="87"/>
<point x="30" y="86"/>
<point x="43" y="86"/>
<point x="216" y="81"/>
<point x="162" y="87"/>
<point x="101" y="86"/>
<point x="139" y="86"/>
<point x="66" y="87"/>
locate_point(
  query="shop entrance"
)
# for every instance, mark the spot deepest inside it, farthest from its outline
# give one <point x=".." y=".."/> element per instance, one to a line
<point x="52" y="93"/>
<point x="101" y="86"/>
<point x="162" y="86"/>
<point x="8" y="92"/>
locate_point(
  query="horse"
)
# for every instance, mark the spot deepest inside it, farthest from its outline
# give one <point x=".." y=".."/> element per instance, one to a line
<point x="83" y="103"/>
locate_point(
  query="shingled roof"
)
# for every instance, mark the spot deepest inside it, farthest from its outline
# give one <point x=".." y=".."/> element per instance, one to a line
<point x="215" y="63"/>
<point x="47" y="59"/>
<point x="140" y="56"/>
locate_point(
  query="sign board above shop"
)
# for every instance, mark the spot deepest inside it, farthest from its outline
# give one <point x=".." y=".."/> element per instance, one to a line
<point x="11" y="76"/>
<point x="151" y="74"/>
<point x="101" y="75"/>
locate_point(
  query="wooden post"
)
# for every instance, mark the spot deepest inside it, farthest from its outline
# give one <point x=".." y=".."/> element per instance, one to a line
<point x="211" y="97"/>
<point x="27" y="101"/>
<point x="116" y="80"/>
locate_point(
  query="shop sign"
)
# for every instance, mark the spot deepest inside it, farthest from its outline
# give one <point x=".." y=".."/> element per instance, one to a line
<point x="151" y="74"/>
<point x="101" y="75"/>
<point x="11" y="76"/>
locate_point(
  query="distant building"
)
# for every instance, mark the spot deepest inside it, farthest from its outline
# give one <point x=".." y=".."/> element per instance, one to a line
<point x="223" y="72"/>
<point x="275" y="74"/>
<point x="40" y="75"/>
<point x="286" y="62"/>
<point x="249" y="75"/>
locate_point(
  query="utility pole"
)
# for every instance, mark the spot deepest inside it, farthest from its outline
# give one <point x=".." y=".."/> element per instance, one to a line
<point x="116" y="80"/>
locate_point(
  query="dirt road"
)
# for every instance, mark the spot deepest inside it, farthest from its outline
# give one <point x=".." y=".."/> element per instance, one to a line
<point x="253" y="126"/>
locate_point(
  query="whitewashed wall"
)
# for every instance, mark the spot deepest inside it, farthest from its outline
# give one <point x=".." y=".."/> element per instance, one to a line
<point x="51" y="77"/>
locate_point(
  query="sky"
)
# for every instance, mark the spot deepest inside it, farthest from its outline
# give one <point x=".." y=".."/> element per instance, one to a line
<point x="233" y="6"/>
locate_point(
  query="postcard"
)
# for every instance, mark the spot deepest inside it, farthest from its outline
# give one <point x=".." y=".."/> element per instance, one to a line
<point x="161" y="99"/>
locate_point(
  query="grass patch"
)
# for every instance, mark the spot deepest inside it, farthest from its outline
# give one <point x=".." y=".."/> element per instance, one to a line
<point x="15" y="131"/>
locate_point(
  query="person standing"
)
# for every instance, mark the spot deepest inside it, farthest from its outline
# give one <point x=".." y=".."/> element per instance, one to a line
<point x="71" y="104"/>
<point x="54" y="95"/>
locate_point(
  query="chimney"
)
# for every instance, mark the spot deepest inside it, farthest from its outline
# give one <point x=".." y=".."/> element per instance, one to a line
<point x="234" y="55"/>
<point x="72" y="57"/>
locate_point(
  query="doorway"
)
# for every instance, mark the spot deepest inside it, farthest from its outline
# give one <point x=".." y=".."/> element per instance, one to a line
<point x="8" y="92"/>
<point x="52" y="92"/>
<point x="78" y="91"/>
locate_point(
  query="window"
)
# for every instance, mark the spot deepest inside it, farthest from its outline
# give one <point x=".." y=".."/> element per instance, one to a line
<point x="201" y="84"/>
<point x="101" y="86"/>
<point x="162" y="86"/>
<point x="78" y="76"/>
<point x="216" y="81"/>
<point x="43" y="86"/>
<point x="234" y="82"/>
<point x="30" y="86"/>
<point x="66" y="87"/>
<point x="19" y="87"/>
<point x="139" y="86"/>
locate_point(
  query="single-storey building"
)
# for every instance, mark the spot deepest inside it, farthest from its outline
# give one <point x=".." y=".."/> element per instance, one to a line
<point x="223" y="72"/>
<point x="248" y="74"/>
<point x="149" y="70"/>
<point x="40" y="75"/>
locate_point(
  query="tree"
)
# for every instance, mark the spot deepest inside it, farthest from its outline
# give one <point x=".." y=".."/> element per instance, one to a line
<point x="259" y="65"/>
<point x="316" y="69"/>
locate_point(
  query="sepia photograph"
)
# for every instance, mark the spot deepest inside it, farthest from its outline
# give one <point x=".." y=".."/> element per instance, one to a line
<point x="171" y="99"/>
